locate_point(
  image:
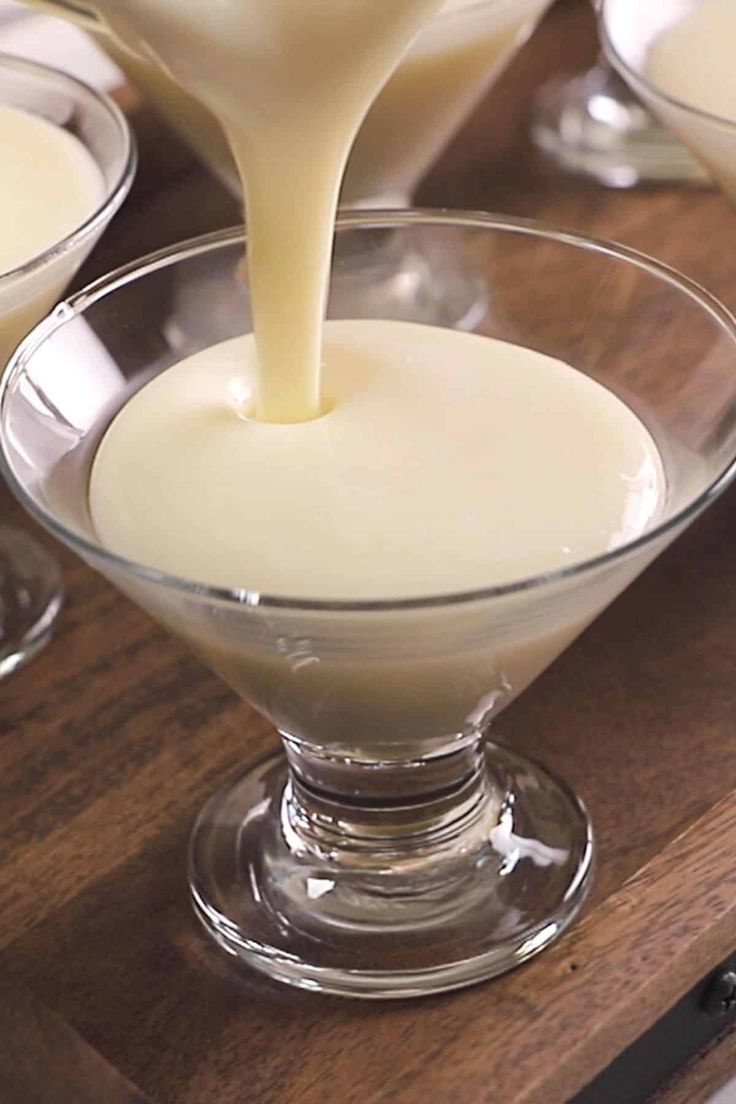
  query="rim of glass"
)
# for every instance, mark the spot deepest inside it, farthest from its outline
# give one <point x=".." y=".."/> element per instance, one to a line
<point x="360" y="220"/>
<point x="634" y="76"/>
<point x="115" y="193"/>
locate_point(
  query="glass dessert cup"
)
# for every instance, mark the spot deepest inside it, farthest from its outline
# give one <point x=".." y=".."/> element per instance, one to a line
<point x="31" y="589"/>
<point x="393" y="850"/>
<point x="593" y="125"/>
<point x="627" y="39"/>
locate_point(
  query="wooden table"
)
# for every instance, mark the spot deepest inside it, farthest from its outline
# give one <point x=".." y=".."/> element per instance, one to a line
<point x="112" y="739"/>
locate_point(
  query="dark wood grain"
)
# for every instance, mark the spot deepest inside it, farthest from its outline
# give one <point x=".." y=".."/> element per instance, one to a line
<point x="43" y="1061"/>
<point x="114" y="736"/>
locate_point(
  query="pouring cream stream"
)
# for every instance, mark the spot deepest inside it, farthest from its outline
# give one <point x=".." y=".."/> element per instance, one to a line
<point x="290" y="83"/>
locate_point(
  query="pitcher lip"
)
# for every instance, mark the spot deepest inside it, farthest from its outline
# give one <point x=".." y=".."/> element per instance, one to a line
<point x="114" y="281"/>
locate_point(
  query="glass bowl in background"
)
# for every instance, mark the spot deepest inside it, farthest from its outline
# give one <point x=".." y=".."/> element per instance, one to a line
<point x="593" y="125"/>
<point x="629" y="32"/>
<point x="394" y="849"/>
<point x="30" y="582"/>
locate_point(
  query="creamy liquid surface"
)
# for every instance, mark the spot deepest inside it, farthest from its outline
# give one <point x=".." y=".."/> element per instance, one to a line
<point x="49" y="187"/>
<point x="449" y="462"/>
<point x="290" y="82"/>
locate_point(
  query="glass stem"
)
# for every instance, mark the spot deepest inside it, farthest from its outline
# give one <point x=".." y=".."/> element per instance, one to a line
<point x="374" y="808"/>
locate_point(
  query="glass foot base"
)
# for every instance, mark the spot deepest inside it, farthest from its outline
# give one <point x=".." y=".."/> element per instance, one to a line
<point x="406" y="921"/>
<point x="593" y="126"/>
<point x="31" y="596"/>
